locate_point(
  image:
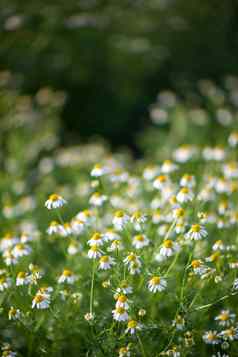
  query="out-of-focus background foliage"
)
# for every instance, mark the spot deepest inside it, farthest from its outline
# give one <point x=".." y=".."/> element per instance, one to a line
<point x="112" y="57"/>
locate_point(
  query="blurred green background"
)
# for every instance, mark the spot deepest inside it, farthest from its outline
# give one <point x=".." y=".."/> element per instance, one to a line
<point x="112" y="57"/>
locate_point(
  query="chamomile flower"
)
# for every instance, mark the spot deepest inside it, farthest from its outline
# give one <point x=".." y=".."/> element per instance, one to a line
<point x="179" y="213"/>
<point x="9" y="257"/>
<point x="150" y="172"/>
<point x="55" y="201"/>
<point x="233" y="139"/>
<point x="67" y="277"/>
<point x="54" y="228"/>
<point x="133" y="326"/>
<point x="36" y="273"/>
<point x="116" y="245"/>
<point x="219" y="245"/>
<point x="14" y="314"/>
<point x="94" y="252"/>
<point x="99" y="170"/>
<point x="157" y="283"/>
<point x="97" y="199"/>
<point x="106" y="262"/>
<point x="125" y="288"/>
<point x="120" y="220"/>
<point x="225" y="318"/>
<point x="187" y="181"/>
<point x="86" y="217"/>
<point x="40" y="301"/>
<point x="138" y="219"/>
<point x="111" y="235"/>
<point x="196" y="232"/>
<point x="179" y="322"/>
<point x="96" y="239"/>
<point x="198" y="267"/>
<point x="185" y="195"/>
<point x="124" y="352"/>
<point x="22" y="279"/>
<point x="21" y="250"/>
<point x="122" y="301"/>
<point x="77" y="226"/>
<point x="161" y="182"/>
<point x="169" y="248"/>
<point x="211" y="337"/>
<point x="140" y="241"/>
<point x="65" y="229"/>
<point x="229" y="334"/>
<point x="5" y="282"/>
<point x="120" y="314"/>
<point x="8" y="241"/>
<point x="168" y="166"/>
<point x="74" y="248"/>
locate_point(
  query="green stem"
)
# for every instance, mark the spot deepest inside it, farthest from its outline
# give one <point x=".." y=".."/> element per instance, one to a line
<point x="141" y="345"/>
<point x="92" y="288"/>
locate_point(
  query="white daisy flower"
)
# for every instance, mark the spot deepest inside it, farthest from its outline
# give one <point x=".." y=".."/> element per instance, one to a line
<point x="99" y="170"/>
<point x="14" y="314"/>
<point x="9" y="258"/>
<point x="157" y="284"/>
<point x="97" y="199"/>
<point x="225" y="318"/>
<point x="67" y="277"/>
<point x="77" y="226"/>
<point x="94" y="252"/>
<point x="40" y="301"/>
<point x="106" y="262"/>
<point x="86" y="216"/>
<point x="168" y="167"/>
<point x="8" y="241"/>
<point x="120" y="314"/>
<point x="169" y="248"/>
<point x="161" y="182"/>
<point x="122" y="301"/>
<point x="120" y="219"/>
<point x="21" y="250"/>
<point x="133" y="326"/>
<point x="22" y="279"/>
<point x="196" y="232"/>
<point x="185" y="195"/>
<point x="211" y="337"/>
<point x="140" y="241"/>
<point x="111" y="235"/>
<point x="230" y="334"/>
<point x="5" y="282"/>
<point x="96" y="239"/>
<point x="54" y="228"/>
<point x="187" y="181"/>
<point x="55" y="201"/>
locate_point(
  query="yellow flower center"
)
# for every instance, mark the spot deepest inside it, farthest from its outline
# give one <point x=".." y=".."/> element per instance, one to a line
<point x="96" y="236"/>
<point x="168" y="243"/>
<point x="196" y="264"/>
<point x="119" y="214"/>
<point x="120" y="310"/>
<point x="196" y="228"/>
<point x="122" y="298"/>
<point x="54" y="197"/>
<point x="140" y="238"/>
<point x="39" y="298"/>
<point x="104" y="259"/>
<point x="155" y="280"/>
<point x="21" y="275"/>
<point x="224" y="316"/>
<point x="67" y="272"/>
<point x="132" y="324"/>
<point x="184" y="190"/>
